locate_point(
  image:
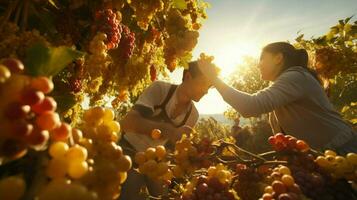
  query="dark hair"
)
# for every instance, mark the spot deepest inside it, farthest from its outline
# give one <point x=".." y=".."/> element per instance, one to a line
<point x="192" y="69"/>
<point x="292" y="56"/>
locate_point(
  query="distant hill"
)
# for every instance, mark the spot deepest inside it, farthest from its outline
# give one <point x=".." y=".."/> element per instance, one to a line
<point x="221" y="119"/>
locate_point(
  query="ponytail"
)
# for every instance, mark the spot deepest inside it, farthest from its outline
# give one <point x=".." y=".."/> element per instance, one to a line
<point x="301" y="58"/>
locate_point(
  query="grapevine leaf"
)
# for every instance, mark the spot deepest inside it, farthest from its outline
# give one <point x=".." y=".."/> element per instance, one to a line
<point x="348" y="19"/>
<point x="353" y="30"/>
<point x="180" y="4"/>
<point x="298" y="39"/>
<point x="341" y="22"/>
<point x="353" y="121"/>
<point x="48" y="61"/>
<point x="63" y="96"/>
<point x="65" y="101"/>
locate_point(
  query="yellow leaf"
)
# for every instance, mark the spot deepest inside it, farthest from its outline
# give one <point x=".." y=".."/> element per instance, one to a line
<point x="353" y="121"/>
<point x="53" y="3"/>
<point x="345" y="108"/>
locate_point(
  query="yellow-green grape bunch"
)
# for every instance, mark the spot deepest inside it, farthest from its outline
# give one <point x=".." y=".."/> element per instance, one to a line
<point x="13" y="41"/>
<point x="12" y="188"/>
<point x="177" y="46"/>
<point x="221" y="172"/>
<point x="145" y="11"/>
<point x="59" y="189"/>
<point x="184" y="154"/>
<point x="136" y="73"/>
<point x="216" y="185"/>
<point x="283" y="185"/>
<point x="109" y="170"/>
<point x="175" y="22"/>
<point x="97" y="61"/>
<point x="182" y="42"/>
<point x="181" y="39"/>
<point x="27" y="115"/>
<point x="152" y="163"/>
<point x="206" y="60"/>
<point x="67" y="160"/>
<point x="195" y="10"/>
<point x="339" y="166"/>
<point x="99" y="124"/>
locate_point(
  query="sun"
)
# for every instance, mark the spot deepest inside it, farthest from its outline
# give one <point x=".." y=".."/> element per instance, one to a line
<point x="229" y="56"/>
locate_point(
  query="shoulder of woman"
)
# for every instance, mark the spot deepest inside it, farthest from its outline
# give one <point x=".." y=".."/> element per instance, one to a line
<point x="294" y="74"/>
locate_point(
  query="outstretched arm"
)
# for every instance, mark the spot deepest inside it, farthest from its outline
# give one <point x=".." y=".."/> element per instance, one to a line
<point x="287" y="88"/>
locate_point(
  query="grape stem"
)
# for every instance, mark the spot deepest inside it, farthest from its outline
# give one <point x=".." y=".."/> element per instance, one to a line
<point x="243" y="150"/>
<point x="25" y="15"/>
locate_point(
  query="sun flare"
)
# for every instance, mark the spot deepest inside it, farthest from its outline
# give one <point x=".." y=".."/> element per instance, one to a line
<point x="229" y="56"/>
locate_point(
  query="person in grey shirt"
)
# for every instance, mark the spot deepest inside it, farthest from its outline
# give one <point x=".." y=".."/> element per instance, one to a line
<point x="296" y="102"/>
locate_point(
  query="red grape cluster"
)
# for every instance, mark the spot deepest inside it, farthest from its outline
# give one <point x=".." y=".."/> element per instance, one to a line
<point x="207" y="188"/>
<point x="317" y="185"/>
<point x="75" y="85"/>
<point x="153" y="73"/>
<point x="249" y="182"/>
<point x="283" y="186"/>
<point x="127" y="43"/>
<point x="75" y="81"/>
<point x="107" y="21"/>
<point x="281" y="142"/>
<point x="27" y="115"/>
<point x="314" y="182"/>
<point x="204" y="146"/>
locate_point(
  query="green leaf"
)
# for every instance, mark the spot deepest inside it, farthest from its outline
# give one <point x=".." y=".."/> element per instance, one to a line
<point x="63" y="95"/>
<point x="353" y="30"/>
<point x="48" y="61"/>
<point x="348" y="19"/>
<point x="353" y="121"/>
<point x="298" y="39"/>
<point x="341" y="22"/>
<point x="65" y="101"/>
<point x="180" y="4"/>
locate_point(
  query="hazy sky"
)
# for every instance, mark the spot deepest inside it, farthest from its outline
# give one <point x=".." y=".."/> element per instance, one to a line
<point x="235" y="28"/>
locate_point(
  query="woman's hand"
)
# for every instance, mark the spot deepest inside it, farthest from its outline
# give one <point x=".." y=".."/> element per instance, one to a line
<point x="208" y="69"/>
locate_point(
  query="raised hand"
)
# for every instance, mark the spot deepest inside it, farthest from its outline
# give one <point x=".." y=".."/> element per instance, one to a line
<point x="209" y="69"/>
